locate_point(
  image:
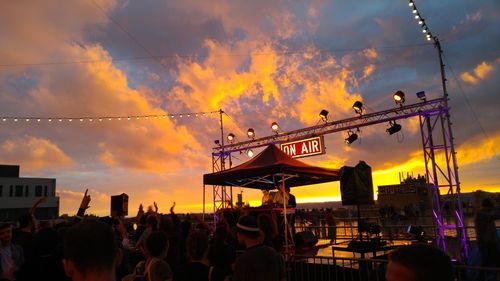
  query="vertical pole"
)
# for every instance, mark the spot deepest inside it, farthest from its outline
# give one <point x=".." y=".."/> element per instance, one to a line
<point x="284" y="212"/>
<point x="203" y="216"/>
<point x="222" y="158"/>
<point x="454" y="179"/>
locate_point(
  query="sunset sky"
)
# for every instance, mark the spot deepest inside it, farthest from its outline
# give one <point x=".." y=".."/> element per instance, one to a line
<point x="259" y="61"/>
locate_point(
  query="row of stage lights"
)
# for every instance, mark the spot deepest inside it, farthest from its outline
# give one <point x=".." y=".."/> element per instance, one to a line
<point x="352" y="136"/>
<point x="420" y="20"/>
<point x="100" y="119"/>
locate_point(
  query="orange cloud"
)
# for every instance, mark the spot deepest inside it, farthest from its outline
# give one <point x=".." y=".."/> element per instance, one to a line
<point x="478" y="149"/>
<point x="34" y="153"/>
<point x="480" y="72"/>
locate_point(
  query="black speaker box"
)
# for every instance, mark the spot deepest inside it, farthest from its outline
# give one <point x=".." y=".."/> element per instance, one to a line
<point x="119" y="205"/>
<point x="356" y="185"/>
<point x="304" y="239"/>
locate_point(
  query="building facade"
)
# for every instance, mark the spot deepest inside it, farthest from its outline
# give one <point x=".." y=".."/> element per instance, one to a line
<point x="17" y="195"/>
<point x="412" y="194"/>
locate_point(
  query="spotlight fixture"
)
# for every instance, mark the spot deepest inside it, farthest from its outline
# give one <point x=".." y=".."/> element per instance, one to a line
<point x="352" y="137"/>
<point x="324" y="115"/>
<point x="250" y="153"/>
<point x="275" y="127"/>
<point x="358" y="107"/>
<point x="251" y="133"/>
<point x="230" y="137"/>
<point x="410" y="3"/>
<point x="394" y="127"/>
<point x="421" y="95"/>
<point x="399" y="97"/>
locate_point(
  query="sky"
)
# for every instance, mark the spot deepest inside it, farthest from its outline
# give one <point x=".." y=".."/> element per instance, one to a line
<point x="260" y="62"/>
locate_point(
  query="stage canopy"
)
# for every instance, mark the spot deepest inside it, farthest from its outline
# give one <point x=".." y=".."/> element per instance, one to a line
<point x="268" y="168"/>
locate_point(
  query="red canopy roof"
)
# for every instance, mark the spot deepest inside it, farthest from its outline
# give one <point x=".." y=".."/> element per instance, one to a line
<point x="267" y="169"/>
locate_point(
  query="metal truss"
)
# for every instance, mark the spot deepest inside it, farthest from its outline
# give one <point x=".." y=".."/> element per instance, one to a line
<point x="401" y="112"/>
<point x="439" y="157"/>
<point x="442" y="174"/>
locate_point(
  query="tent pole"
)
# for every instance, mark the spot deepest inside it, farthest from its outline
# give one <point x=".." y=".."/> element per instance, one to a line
<point x="284" y="212"/>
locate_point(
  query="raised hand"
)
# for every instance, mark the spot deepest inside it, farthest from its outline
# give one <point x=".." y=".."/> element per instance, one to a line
<point x="156" y="207"/>
<point x="85" y="200"/>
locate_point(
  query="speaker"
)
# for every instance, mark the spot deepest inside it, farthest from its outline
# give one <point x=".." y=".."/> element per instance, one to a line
<point x="119" y="205"/>
<point x="304" y="239"/>
<point x="356" y="185"/>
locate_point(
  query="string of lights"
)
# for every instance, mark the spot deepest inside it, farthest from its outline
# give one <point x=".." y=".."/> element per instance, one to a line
<point x="421" y="21"/>
<point x="107" y="118"/>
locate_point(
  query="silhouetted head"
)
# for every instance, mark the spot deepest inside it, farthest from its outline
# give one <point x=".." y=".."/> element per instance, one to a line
<point x="89" y="249"/>
<point x="419" y="262"/>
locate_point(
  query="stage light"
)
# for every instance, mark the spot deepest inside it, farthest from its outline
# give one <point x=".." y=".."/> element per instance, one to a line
<point x="421" y="95"/>
<point x="250" y="153"/>
<point x="358" y="107"/>
<point x="414" y="11"/>
<point x="230" y="137"/>
<point x="251" y="133"/>
<point x="417" y="231"/>
<point x="410" y="3"/>
<point x="324" y="115"/>
<point x="421" y="22"/>
<point x="417" y="16"/>
<point x="399" y="97"/>
<point x="394" y="128"/>
<point x="352" y="137"/>
<point x="275" y="127"/>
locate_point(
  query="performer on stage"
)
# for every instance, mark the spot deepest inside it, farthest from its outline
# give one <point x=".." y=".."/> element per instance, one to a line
<point x="281" y="195"/>
<point x="279" y="200"/>
<point x="266" y="197"/>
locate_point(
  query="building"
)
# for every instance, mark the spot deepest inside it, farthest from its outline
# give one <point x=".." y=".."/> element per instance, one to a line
<point x="412" y="193"/>
<point x="17" y="195"/>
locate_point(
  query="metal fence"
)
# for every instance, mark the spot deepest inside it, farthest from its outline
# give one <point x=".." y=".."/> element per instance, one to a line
<point x="314" y="268"/>
<point x="347" y="230"/>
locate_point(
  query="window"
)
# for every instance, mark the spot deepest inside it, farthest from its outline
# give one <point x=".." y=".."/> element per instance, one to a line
<point x="26" y="191"/>
<point x="38" y="191"/>
<point x="45" y="191"/>
<point x="19" y="191"/>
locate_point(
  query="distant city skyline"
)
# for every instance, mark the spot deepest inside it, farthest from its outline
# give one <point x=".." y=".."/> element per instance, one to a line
<point x="260" y="62"/>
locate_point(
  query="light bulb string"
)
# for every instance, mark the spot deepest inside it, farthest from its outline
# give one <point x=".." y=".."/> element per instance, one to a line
<point x="108" y="118"/>
<point x="421" y="21"/>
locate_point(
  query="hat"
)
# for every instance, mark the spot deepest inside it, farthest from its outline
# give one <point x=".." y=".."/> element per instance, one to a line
<point x="247" y="224"/>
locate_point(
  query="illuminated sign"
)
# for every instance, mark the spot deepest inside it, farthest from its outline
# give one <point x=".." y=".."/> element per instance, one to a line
<point x="304" y="148"/>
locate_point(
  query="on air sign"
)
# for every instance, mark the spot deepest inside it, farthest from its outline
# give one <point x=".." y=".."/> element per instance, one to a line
<point x="304" y="148"/>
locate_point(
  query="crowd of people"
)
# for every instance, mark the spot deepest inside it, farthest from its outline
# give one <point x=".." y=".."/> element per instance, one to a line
<point x="155" y="246"/>
<point x="152" y="246"/>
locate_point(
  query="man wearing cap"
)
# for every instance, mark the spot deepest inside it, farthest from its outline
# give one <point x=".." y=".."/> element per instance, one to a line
<point x="259" y="262"/>
<point x="11" y="256"/>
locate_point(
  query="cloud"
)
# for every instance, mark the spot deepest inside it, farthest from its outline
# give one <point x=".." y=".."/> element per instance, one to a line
<point x="34" y="153"/>
<point x="480" y="72"/>
<point x="474" y="17"/>
<point x="479" y="149"/>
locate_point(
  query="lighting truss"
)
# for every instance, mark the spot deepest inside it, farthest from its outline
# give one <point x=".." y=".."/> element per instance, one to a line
<point x="430" y="107"/>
